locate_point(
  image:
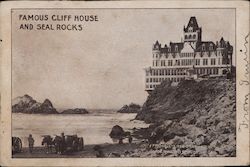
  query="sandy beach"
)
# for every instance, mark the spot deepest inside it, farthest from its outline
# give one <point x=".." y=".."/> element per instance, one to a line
<point x="118" y="150"/>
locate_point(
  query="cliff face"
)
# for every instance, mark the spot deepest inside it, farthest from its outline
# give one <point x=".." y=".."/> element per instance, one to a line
<point x="26" y="104"/>
<point x="201" y="114"/>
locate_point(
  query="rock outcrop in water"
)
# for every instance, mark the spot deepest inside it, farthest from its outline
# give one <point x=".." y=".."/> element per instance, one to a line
<point x="75" y="111"/>
<point x="199" y="116"/>
<point x="131" y="108"/>
<point x="26" y="104"/>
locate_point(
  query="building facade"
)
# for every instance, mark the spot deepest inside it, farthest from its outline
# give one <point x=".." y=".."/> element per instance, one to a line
<point x="188" y="59"/>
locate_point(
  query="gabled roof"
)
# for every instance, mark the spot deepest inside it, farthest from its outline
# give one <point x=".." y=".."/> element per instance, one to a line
<point x="157" y="45"/>
<point x="206" y="45"/>
<point x="173" y="46"/>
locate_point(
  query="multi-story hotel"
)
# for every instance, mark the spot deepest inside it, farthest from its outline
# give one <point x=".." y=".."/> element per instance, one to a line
<point x="191" y="58"/>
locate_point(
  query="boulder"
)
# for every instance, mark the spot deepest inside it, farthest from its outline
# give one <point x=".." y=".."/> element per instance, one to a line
<point x="26" y="104"/>
<point x="117" y="132"/>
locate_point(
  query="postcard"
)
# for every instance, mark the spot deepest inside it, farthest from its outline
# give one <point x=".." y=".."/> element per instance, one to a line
<point x="124" y="83"/>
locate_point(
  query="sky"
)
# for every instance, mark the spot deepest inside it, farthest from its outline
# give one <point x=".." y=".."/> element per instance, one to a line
<point x="102" y="66"/>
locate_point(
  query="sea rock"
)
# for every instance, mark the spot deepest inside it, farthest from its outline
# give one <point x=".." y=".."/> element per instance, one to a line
<point x="26" y="104"/>
<point x="117" y="132"/>
<point x="131" y="108"/>
<point x="75" y="111"/>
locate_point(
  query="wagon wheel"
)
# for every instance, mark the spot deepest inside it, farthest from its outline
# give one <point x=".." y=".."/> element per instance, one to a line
<point x="80" y="144"/>
<point x="17" y="145"/>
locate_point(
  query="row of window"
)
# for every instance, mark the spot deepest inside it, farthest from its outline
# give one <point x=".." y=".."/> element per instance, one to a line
<point x="184" y="62"/>
<point x="161" y="72"/>
<point x="176" y="79"/>
<point x="167" y="72"/>
<point x="187" y="55"/>
<point x="218" y="53"/>
<point x="162" y="79"/>
<point x="190" y="36"/>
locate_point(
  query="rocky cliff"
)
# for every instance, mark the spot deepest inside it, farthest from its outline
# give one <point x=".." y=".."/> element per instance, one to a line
<point x="26" y="104"/>
<point x="131" y="108"/>
<point x="200" y="116"/>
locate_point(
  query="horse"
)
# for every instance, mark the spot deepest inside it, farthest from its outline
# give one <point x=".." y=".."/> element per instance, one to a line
<point x="48" y="142"/>
<point x="59" y="144"/>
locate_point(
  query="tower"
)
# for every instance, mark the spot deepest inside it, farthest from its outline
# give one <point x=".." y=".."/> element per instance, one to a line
<point x="156" y="53"/>
<point x="192" y="33"/>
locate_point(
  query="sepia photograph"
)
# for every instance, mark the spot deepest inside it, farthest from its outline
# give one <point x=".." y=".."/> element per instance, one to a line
<point x="123" y="83"/>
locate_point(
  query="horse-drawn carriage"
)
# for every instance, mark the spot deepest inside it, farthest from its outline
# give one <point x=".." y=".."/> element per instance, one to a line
<point x="16" y="145"/>
<point x="63" y="144"/>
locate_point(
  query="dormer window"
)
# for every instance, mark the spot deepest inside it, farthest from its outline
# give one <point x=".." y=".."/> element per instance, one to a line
<point x="190" y="29"/>
<point x="203" y="47"/>
<point x="176" y="48"/>
<point x="211" y="47"/>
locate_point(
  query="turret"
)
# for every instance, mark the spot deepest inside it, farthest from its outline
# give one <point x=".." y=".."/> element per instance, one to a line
<point x="156" y="46"/>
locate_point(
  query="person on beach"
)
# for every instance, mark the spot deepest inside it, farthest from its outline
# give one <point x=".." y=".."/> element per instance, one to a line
<point x="31" y="143"/>
<point x="63" y="143"/>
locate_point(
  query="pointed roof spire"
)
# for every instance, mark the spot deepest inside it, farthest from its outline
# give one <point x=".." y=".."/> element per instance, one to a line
<point x="193" y="23"/>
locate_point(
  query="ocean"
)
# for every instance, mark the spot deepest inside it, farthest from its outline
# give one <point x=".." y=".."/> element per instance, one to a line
<point x="93" y="127"/>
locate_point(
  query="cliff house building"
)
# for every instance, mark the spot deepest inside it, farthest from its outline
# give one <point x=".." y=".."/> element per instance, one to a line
<point x="192" y="58"/>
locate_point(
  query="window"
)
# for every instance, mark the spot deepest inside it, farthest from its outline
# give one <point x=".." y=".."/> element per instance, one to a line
<point x="190" y="36"/>
<point x="162" y="63"/>
<point x="176" y="48"/>
<point x="156" y="63"/>
<point x="177" y="62"/>
<point x="211" y="47"/>
<point x="194" y="36"/>
<point x="203" y="47"/>
<point x="213" y="62"/>
<point x="186" y="36"/>
<point x="216" y="71"/>
<point x="190" y="29"/>
<point x="170" y="62"/>
<point x="204" y="61"/>
<point x="197" y="62"/>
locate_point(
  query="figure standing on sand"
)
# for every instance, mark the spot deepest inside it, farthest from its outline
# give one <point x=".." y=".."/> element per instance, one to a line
<point x="31" y="143"/>
<point x="63" y="143"/>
